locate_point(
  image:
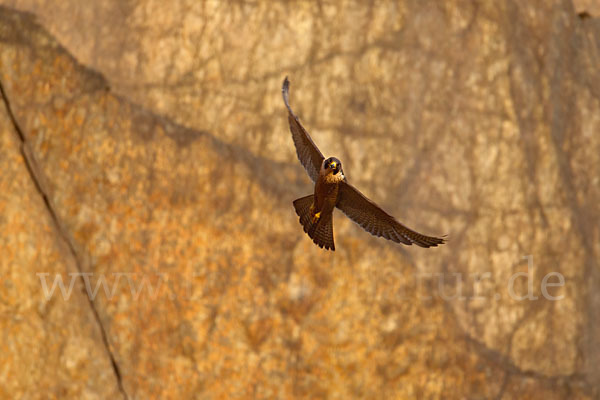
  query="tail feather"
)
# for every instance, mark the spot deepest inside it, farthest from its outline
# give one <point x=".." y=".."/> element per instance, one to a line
<point x="321" y="231"/>
<point x="302" y="206"/>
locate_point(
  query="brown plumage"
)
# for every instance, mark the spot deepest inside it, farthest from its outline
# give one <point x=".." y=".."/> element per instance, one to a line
<point x="332" y="190"/>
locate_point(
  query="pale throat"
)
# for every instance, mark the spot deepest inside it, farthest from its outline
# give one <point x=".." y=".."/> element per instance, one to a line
<point x="331" y="178"/>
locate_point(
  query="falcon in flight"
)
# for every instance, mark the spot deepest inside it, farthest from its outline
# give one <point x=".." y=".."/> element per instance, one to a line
<point x="332" y="190"/>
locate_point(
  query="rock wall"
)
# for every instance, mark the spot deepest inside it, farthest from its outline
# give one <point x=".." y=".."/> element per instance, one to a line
<point x="169" y="177"/>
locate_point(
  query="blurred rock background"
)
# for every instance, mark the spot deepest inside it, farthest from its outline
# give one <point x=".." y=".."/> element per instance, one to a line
<point x="145" y="146"/>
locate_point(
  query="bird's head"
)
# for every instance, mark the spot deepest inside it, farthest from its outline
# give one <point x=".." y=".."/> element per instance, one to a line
<point x="332" y="167"/>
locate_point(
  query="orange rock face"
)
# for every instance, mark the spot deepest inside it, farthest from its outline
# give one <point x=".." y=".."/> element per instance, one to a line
<point x="163" y="183"/>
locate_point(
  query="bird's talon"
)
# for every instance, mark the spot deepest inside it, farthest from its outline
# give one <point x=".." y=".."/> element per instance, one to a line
<point x="316" y="217"/>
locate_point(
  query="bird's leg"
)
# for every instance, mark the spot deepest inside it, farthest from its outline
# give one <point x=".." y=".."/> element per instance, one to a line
<point x="315" y="216"/>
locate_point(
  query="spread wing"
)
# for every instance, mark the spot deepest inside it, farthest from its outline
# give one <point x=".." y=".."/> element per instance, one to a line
<point x="308" y="153"/>
<point x="376" y="221"/>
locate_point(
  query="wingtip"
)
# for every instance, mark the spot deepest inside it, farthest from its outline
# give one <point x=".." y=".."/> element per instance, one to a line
<point x="285" y="87"/>
<point x="285" y="90"/>
<point x="441" y="240"/>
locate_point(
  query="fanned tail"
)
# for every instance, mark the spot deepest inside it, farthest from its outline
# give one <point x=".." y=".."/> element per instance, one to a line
<point x="320" y="231"/>
<point x="302" y="206"/>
